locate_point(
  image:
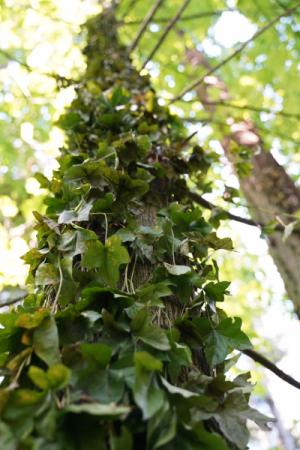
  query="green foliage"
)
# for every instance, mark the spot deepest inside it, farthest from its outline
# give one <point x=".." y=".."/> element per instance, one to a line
<point x="120" y="344"/>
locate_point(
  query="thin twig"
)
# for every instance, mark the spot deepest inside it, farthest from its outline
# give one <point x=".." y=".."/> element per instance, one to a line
<point x="145" y="24"/>
<point x="208" y="120"/>
<point x="257" y="357"/>
<point x="208" y="205"/>
<point x="239" y="50"/>
<point x="183" y="18"/>
<point x="166" y="32"/>
<point x="246" y="107"/>
<point x="187" y="140"/>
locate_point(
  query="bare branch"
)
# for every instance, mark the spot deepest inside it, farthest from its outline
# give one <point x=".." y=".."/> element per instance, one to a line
<point x="182" y="19"/>
<point x="260" y="359"/>
<point x="145" y="24"/>
<point x="208" y="205"/>
<point x="239" y="50"/>
<point x="166" y="32"/>
<point x="246" y="108"/>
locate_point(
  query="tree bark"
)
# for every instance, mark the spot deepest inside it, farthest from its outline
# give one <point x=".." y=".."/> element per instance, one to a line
<point x="270" y="192"/>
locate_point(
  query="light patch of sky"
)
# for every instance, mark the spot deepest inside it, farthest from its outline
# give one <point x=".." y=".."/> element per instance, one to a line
<point x="231" y="28"/>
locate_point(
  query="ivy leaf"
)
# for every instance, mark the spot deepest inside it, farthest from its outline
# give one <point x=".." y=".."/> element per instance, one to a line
<point x="123" y="441"/>
<point x="58" y="376"/>
<point x="145" y="361"/>
<point x="97" y="409"/>
<point x="80" y="215"/>
<point x="147" y="393"/>
<point x="224" y="338"/>
<point x="38" y="377"/>
<point x="148" y="333"/>
<point x="7" y="438"/>
<point x="108" y="258"/>
<point x="216" y="291"/>
<point x="69" y="121"/>
<point x="152" y="293"/>
<point x="46" y="342"/>
<point x="232" y="419"/>
<point x="74" y="241"/>
<point x="97" y="354"/>
<point x="175" y="390"/>
<point x="32" y="320"/>
<point x="177" y="270"/>
<point x="46" y="274"/>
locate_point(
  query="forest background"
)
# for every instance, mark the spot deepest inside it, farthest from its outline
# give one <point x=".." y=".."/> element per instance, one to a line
<point x="257" y="88"/>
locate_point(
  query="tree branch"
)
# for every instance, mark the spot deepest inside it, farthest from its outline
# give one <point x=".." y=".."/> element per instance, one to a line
<point x="182" y="19"/>
<point x="260" y="359"/>
<point x="247" y="108"/>
<point x="208" y="205"/>
<point x="166" y="31"/>
<point x="145" y="24"/>
<point x="239" y="50"/>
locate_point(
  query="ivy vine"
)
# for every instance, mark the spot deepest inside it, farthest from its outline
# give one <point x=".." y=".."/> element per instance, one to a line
<point x="121" y="343"/>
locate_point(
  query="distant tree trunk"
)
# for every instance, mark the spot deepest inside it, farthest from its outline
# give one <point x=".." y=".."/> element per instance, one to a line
<point x="269" y="190"/>
<point x="283" y="434"/>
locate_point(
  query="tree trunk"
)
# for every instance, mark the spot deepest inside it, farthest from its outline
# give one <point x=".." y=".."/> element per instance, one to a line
<point x="270" y="192"/>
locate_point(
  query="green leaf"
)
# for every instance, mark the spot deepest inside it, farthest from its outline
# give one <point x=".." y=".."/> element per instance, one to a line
<point x="79" y="215"/>
<point x="216" y="291"/>
<point x="123" y="441"/>
<point x="209" y="440"/>
<point x="38" y="377"/>
<point x="97" y="409"/>
<point x="97" y="354"/>
<point x="147" y="394"/>
<point x="7" y="438"/>
<point x="224" y="338"/>
<point x="69" y="121"/>
<point x="58" y="376"/>
<point x="232" y="419"/>
<point x="30" y="321"/>
<point x="175" y="390"/>
<point x="108" y="258"/>
<point x="152" y="293"/>
<point x="74" y="241"/>
<point x="177" y="270"/>
<point x="145" y="361"/>
<point x="46" y="342"/>
<point x="148" y="333"/>
<point x="46" y="274"/>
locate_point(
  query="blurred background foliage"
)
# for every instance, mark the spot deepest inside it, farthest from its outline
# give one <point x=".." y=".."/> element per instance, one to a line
<point x="40" y="50"/>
